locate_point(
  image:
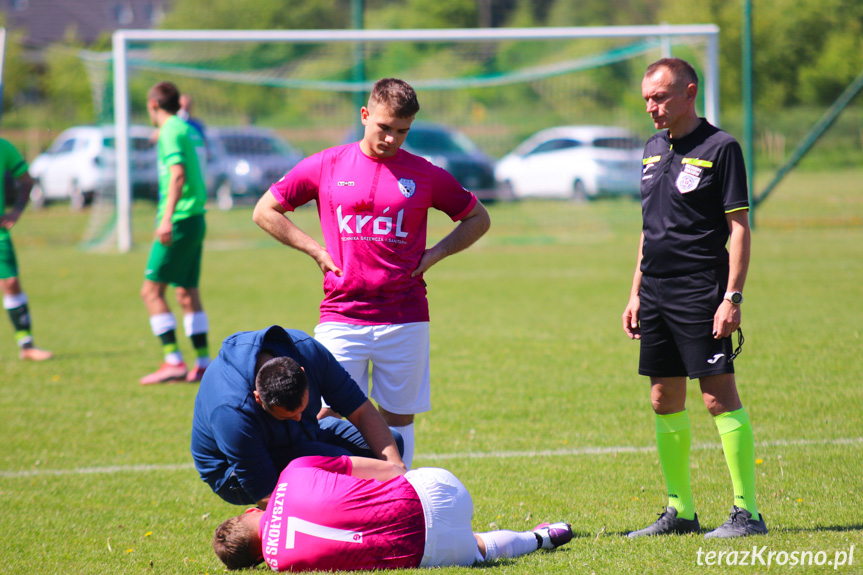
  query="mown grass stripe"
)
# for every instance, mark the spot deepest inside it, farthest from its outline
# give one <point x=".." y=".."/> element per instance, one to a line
<point x="853" y="441"/>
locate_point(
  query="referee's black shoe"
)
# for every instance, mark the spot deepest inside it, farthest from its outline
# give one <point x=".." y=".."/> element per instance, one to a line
<point x="739" y="524"/>
<point x="668" y="524"/>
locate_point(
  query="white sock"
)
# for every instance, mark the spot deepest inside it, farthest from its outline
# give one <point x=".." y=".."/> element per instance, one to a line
<point x="162" y="323"/>
<point x="195" y="323"/>
<point x="506" y="544"/>
<point x="407" y="432"/>
<point x="14" y="300"/>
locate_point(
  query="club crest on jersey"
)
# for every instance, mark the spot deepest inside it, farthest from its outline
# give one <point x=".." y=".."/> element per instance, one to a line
<point x="688" y="179"/>
<point x="407" y="187"/>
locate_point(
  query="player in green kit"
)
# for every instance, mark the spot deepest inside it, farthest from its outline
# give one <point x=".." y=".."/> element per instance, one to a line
<point x="14" y="299"/>
<point x="179" y="238"/>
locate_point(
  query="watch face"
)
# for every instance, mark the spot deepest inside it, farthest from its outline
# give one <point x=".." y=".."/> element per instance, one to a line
<point x="737" y="298"/>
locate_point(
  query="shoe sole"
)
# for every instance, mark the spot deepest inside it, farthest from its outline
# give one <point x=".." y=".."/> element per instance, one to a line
<point x="178" y="379"/>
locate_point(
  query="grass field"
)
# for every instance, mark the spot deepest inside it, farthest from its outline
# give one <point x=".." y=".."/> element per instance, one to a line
<point x="537" y="404"/>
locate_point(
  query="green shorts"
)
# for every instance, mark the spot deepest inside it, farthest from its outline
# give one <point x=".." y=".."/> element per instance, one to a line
<point x="8" y="263"/>
<point x="180" y="263"/>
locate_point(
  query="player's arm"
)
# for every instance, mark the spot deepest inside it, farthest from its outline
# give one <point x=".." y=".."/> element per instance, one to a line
<point x="727" y="318"/>
<point x="371" y="425"/>
<point x="466" y="233"/>
<point x="164" y="232"/>
<point x="23" y="184"/>
<point x="367" y="468"/>
<point x="269" y="214"/>
<point x="630" y="314"/>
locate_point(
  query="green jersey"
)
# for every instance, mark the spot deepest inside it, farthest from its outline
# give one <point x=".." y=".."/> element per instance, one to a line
<point x="179" y="143"/>
<point x="11" y="162"/>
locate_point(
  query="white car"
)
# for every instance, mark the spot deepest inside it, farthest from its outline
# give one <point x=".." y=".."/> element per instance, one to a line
<point x="81" y="163"/>
<point x="576" y="162"/>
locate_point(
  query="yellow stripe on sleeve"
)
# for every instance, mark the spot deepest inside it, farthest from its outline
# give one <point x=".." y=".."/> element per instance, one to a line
<point x="697" y="162"/>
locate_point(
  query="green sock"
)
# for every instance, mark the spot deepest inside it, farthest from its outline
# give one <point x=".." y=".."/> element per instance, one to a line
<point x="202" y="350"/>
<point x="738" y="443"/>
<point x="673" y="442"/>
<point x="169" y="344"/>
<point x="20" y="317"/>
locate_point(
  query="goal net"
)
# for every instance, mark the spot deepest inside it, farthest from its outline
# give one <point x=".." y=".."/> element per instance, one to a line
<point x="496" y="86"/>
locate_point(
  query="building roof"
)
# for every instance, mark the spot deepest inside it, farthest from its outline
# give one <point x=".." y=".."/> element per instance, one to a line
<point x="46" y="21"/>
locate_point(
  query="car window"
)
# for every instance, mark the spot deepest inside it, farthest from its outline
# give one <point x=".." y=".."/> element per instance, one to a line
<point x="64" y="147"/>
<point x="137" y="144"/>
<point x="555" y="145"/>
<point x="141" y="144"/>
<point x="433" y="142"/>
<point x="618" y="143"/>
<point x="255" y="145"/>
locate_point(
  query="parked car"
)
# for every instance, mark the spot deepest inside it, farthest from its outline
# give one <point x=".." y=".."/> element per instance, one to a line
<point x="81" y="163"/>
<point x="450" y="150"/>
<point x="575" y="162"/>
<point x="243" y="162"/>
<point x="454" y="152"/>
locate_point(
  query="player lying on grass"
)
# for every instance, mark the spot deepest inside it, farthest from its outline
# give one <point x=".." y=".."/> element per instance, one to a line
<point x="347" y="513"/>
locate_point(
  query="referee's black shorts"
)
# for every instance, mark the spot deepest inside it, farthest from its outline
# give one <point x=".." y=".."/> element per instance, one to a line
<point x="676" y="320"/>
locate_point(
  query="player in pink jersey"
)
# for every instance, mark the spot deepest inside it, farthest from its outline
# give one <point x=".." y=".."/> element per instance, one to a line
<point x="373" y="200"/>
<point x="350" y="513"/>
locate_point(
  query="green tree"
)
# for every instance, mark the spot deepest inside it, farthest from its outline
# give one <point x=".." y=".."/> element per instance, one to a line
<point x="66" y="83"/>
<point x="258" y="15"/>
<point x="17" y="72"/>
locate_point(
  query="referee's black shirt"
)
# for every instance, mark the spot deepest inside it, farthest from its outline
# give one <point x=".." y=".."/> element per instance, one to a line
<point x="687" y="187"/>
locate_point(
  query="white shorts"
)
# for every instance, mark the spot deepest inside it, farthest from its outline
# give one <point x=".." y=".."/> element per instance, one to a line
<point x="448" y="510"/>
<point x="399" y="353"/>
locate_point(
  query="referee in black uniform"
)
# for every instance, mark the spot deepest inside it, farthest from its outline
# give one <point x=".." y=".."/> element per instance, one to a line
<point x="687" y="292"/>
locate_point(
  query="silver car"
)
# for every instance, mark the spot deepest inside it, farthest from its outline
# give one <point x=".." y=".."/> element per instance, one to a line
<point x="243" y="162"/>
<point x="576" y="162"/>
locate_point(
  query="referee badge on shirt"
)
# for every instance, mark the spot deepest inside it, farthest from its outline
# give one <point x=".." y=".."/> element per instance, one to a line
<point x="689" y="178"/>
<point x="407" y="187"/>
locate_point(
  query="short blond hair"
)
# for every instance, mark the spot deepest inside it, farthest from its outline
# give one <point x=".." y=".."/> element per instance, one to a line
<point x="232" y="543"/>
<point x="396" y="95"/>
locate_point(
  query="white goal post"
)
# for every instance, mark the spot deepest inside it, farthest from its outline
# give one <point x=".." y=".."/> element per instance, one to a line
<point x="122" y="39"/>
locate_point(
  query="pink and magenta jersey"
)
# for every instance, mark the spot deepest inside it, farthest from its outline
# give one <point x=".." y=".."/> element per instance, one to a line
<point x="374" y="214"/>
<point x="320" y="517"/>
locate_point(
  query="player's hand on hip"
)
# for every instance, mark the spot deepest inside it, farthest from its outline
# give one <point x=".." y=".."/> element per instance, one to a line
<point x="630" y="318"/>
<point x="427" y="260"/>
<point x="326" y="263"/>
<point x="726" y="320"/>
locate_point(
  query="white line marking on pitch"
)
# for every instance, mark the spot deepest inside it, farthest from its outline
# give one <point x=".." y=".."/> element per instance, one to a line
<point x="445" y="456"/>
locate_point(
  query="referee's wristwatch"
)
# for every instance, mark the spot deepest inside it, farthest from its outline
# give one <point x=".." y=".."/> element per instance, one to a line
<point x="735" y="297"/>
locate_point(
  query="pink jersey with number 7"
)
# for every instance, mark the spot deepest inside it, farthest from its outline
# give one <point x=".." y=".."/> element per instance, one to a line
<point x="320" y="517"/>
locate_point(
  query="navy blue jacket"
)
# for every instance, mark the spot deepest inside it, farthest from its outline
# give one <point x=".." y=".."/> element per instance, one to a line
<point x="231" y="433"/>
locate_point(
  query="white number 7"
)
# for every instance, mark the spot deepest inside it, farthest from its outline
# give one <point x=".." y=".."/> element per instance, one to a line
<point x="297" y="525"/>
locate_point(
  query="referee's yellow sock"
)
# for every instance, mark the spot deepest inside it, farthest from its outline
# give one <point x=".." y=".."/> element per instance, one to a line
<point x="738" y="443"/>
<point x="673" y="442"/>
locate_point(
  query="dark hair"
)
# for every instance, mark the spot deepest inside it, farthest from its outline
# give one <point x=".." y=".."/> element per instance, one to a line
<point x="232" y="543"/>
<point x="282" y="382"/>
<point x="397" y="95"/>
<point x="682" y="71"/>
<point x="167" y="95"/>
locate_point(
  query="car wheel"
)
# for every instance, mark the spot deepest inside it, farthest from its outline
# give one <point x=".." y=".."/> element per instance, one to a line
<point x="37" y="196"/>
<point x="579" y="191"/>
<point x="77" y="198"/>
<point x="224" y="197"/>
